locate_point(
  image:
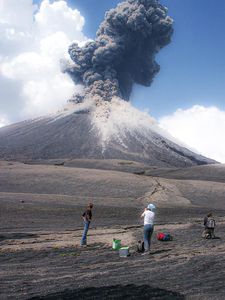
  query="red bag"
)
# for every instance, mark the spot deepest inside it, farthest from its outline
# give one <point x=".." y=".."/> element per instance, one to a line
<point x="160" y="236"/>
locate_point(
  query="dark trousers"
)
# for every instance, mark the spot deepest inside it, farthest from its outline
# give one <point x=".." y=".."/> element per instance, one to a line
<point x="208" y="233"/>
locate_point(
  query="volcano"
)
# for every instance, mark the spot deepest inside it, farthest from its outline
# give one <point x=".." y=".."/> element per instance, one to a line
<point x="98" y="123"/>
<point x="112" y="130"/>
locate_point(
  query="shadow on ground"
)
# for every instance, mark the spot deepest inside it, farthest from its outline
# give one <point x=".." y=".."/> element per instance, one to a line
<point x="114" y="292"/>
<point x="17" y="236"/>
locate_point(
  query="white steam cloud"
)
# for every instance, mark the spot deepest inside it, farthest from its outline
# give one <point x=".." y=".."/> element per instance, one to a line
<point x="3" y="121"/>
<point x="201" y="128"/>
<point x="31" y="82"/>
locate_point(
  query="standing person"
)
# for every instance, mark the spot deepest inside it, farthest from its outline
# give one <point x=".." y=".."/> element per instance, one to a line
<point x="87" y="216"/>
<point x="149" y="216"/>
<point x="209" y="224"/>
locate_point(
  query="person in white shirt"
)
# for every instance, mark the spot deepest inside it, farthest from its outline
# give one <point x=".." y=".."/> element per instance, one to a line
<point x="149" y="216"/>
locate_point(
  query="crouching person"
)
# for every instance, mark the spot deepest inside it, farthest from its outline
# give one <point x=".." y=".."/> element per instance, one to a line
<point x="149" y="216"/>
<point x="209" y="224"/>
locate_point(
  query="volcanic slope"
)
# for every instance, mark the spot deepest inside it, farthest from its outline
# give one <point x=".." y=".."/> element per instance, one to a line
<point x="214" y="173"/>
<point x="116" y="131"/>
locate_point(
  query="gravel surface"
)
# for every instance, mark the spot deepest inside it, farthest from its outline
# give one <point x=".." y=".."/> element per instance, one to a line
<point x="41" y="227"/>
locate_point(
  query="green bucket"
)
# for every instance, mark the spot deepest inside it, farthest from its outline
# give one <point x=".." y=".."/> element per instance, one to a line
<point x="116" y="244"/>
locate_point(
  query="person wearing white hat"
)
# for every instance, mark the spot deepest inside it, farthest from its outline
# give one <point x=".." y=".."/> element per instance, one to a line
<point x="149" y="216"/>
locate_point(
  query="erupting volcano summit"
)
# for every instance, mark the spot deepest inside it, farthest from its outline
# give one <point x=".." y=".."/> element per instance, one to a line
<point x="100" y="123"/>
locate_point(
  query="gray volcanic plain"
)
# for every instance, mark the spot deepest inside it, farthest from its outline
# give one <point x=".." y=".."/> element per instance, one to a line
<point x="41" y="204"/>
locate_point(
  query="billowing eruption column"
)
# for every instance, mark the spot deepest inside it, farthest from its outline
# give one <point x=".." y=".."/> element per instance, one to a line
<point x="123" y="52"/>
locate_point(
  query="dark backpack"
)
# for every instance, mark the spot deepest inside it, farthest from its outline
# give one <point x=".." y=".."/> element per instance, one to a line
<point x="140" y="247"/>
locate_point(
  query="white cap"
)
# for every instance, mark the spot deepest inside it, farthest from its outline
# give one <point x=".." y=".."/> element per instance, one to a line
<point x="151" y="207"/>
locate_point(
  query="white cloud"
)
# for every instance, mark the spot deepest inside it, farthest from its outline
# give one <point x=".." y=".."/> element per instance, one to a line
<point x="32" y="43"/>
<point x="57" y="16"/>
<point x="17" y="14"/>
<point x="201" y="128"/>
<point x="3" y="121"/>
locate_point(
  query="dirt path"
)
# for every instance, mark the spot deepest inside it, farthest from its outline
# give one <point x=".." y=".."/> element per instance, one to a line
<point x="43" y="240"/>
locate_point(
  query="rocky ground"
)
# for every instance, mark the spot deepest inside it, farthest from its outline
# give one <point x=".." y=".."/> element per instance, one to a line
<point x="41" y="227"/>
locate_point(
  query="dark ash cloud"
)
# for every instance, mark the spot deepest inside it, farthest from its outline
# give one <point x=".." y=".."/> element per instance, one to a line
<point x="123" y="52"/>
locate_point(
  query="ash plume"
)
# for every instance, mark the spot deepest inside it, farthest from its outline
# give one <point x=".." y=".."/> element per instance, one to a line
<point x="123" y="52"/>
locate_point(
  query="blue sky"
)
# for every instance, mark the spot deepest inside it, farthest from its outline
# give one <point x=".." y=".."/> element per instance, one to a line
<point x="192" y="66"/>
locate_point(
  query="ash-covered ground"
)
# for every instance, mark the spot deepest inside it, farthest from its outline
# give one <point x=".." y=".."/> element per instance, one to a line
<point x="41" y="206"/>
